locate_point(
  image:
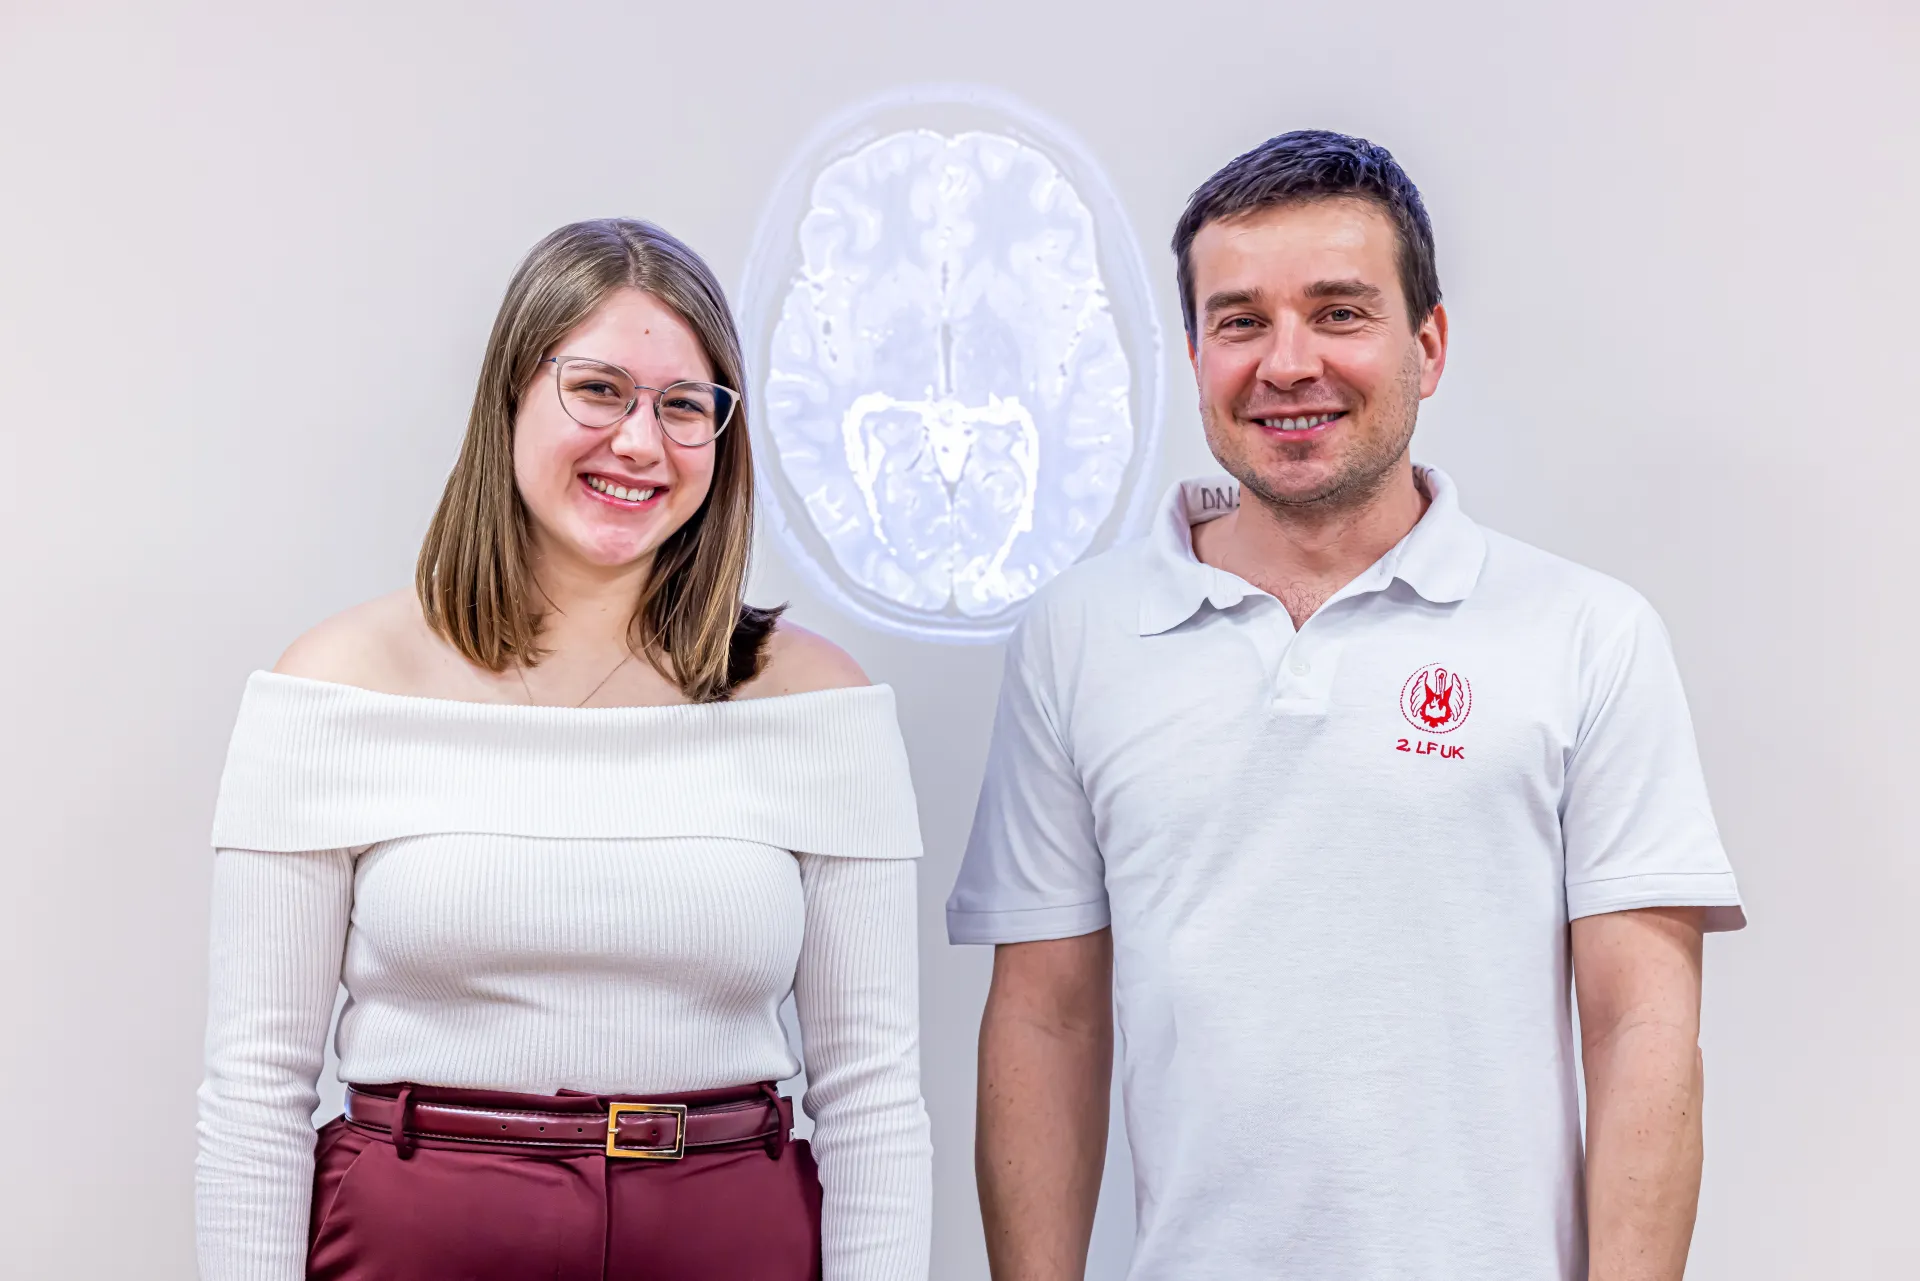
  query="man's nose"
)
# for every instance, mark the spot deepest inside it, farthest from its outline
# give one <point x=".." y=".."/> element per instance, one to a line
<point x="1290" y="357"/>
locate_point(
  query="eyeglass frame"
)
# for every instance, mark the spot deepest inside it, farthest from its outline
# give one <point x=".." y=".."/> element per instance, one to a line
<point x="733" y="405"/>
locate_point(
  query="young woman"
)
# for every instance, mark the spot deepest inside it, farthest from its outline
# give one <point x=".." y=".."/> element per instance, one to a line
<point x="570" y="822"/>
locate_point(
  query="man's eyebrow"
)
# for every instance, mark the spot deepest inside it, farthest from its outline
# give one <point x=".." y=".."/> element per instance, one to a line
<point x="1231" y="298"/>
<point x="1359" y="290"/>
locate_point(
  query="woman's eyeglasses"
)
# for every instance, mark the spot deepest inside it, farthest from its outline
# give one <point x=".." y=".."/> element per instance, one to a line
<point x="599" y="395"/>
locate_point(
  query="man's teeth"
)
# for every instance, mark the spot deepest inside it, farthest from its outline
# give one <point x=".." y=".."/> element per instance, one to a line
<point x="619" y="491"/>
<point x="1296" y="424"/>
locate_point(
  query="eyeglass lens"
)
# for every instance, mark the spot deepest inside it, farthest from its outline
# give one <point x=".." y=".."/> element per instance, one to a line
<point x="597" y="395"/>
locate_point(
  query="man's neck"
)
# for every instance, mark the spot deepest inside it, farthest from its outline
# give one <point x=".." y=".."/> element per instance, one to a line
<point x="1302" y="555"/>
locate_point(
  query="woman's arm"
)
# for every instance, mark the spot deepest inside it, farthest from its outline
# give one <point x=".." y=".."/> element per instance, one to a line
<point x="278" y="934"/>
<point x="857" y="990"/>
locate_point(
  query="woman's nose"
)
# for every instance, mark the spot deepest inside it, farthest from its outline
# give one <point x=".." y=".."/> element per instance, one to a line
<point x="639" y="434"/>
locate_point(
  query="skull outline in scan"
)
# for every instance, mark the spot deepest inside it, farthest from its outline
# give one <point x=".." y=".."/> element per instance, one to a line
<point x="948" y="318"/>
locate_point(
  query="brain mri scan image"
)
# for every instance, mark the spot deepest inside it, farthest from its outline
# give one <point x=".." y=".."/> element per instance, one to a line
<point x="956" y="361"/>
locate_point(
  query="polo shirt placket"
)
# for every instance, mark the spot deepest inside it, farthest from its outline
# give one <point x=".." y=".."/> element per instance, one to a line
<point x="1440" y="560"/>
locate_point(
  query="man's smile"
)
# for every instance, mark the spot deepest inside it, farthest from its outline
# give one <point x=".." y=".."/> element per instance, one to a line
<point x="1299" y="424"/>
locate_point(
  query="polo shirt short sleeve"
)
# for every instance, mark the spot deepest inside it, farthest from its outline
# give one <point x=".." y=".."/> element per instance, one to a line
<point x="1033" y="868"/>
<point x="1635" y="821"/>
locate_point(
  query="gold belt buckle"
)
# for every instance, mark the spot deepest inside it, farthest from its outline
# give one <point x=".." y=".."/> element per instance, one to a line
<point x="678" y="1111"/>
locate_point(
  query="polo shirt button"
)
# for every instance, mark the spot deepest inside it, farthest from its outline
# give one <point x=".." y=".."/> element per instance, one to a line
<point x="1301" y="667"/>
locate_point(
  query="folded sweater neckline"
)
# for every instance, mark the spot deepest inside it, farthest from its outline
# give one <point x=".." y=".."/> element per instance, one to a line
<point x="321" y="765"/>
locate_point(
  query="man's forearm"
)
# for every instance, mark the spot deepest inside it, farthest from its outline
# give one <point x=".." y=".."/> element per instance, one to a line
<point x="1045" y="1076"/>
<point x="1644" y="1093"/>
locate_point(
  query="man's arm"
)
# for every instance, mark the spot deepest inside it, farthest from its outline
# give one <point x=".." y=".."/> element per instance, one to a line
<point x="1046" y="1063"/>
<point x="1638" y="978"/>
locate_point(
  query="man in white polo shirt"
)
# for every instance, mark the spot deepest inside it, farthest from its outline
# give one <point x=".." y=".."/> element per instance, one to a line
<point x="1331" y="792"/>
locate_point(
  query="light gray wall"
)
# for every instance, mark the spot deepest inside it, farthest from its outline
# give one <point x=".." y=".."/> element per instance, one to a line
<point x="248" y="259"/>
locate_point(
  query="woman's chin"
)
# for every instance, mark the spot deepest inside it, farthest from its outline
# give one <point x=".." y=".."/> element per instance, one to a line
<point x="614" y="560"/>
<point x="605" y="555"/>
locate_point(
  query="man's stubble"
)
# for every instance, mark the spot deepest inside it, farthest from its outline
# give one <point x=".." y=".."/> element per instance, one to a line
<point x="1363" y="475"/>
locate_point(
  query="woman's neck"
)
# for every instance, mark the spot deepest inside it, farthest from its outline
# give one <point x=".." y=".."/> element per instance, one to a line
<point x="589" y="608"/>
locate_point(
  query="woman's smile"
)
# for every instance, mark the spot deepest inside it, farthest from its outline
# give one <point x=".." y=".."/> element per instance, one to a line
<point x="628" y="495"/>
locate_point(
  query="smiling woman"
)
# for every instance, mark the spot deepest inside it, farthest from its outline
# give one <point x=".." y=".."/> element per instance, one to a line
<point x="557" y="825"/>
<point x="604" y="314"/>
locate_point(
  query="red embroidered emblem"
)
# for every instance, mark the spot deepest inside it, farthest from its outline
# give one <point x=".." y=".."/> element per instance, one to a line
<point x="1435" y="700"/>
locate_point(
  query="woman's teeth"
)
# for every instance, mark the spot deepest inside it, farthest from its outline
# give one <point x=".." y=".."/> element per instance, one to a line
<point x="619" y="491"/>
<point x="1296" y="424"/>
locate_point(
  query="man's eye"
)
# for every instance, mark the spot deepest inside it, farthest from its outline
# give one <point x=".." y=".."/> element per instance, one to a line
<point x="1342" y="315"/>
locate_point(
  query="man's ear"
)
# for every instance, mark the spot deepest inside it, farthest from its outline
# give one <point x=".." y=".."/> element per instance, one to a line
<point x="1433" y="349"/>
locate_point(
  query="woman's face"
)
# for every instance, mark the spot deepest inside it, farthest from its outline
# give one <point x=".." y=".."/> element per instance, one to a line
<point x="565" y="471"/>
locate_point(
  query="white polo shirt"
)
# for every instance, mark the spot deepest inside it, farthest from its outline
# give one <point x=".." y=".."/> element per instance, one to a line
<point x="1339" y="865"/>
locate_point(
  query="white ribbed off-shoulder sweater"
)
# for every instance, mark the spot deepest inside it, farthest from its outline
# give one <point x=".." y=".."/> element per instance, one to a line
<point x="612" y="900"/>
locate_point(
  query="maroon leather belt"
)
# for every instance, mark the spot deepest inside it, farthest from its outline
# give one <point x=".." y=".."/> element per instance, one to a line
<point x="631" y="1131"/>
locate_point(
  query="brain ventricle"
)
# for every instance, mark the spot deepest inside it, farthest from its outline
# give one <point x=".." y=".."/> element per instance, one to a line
<point x="947" y="389"/>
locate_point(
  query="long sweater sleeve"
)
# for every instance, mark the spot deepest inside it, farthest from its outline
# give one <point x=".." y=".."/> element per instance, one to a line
<point x="857" y="994"/>
<point x="279" y="926"/>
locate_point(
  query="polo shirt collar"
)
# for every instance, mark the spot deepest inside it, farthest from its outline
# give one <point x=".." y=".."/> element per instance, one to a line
<point x="1440" y="558"/>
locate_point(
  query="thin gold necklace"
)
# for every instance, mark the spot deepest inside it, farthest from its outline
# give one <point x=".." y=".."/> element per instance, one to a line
<point x="521" y="672"/>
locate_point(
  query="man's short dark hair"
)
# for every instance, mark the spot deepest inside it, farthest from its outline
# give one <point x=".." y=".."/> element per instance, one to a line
<point x="1315" y="164"/>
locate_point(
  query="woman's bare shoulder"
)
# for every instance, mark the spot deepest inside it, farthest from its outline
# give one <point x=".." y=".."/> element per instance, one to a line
<point x="798" y="661"/>
<point x="383" y="645"/>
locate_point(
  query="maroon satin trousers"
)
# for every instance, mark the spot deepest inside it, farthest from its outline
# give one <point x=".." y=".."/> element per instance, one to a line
<point x="437" y="1210"/>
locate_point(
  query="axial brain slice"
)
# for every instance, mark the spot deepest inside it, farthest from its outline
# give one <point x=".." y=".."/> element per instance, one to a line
<point x="946" y="388"/>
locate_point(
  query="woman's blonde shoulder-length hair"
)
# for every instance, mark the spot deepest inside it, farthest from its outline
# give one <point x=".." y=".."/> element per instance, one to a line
<point x="474" y="584"/>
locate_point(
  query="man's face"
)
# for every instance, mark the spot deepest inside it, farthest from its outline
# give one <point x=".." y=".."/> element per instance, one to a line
<point x="1310" y="371"/>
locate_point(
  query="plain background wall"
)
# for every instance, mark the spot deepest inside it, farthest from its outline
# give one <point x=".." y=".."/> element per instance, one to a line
<point x="248" y="258"/>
